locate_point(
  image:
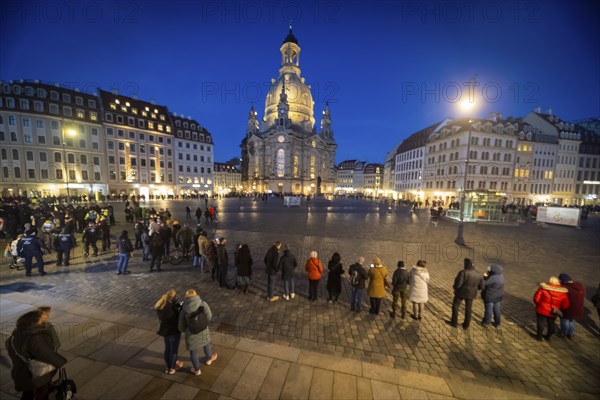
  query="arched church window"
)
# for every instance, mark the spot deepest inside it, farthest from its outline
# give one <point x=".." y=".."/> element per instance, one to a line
<point x="280" y="163"/>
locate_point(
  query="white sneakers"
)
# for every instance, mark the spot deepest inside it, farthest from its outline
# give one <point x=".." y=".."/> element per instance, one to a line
<point x="213" y="358"/>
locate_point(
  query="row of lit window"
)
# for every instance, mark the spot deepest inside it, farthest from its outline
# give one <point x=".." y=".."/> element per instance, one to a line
<point x="41" y="139"/>
<point x="43" y="174"/>
<point x="108" y="117"/>
<point x="145" y="112"/>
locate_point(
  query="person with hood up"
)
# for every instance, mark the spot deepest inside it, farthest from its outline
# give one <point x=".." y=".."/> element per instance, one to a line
<point x="243" y="263"/>
<point x="575" y="311"/>
<point x="418" y="289"/>
<point x="222" y="262"/>
<point x="466" y="284"/>
<point x="550" y="300"/>
<point x="288" y="265"/>
<point x="32" y="339"/>
<point x="314" y="270"/>
<point x="377" y="284"/>
<point x="194" y="341"/>
<point x="334" y="278"/>
<point x="492" y="294"/>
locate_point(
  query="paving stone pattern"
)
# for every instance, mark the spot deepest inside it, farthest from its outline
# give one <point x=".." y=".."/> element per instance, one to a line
<point x="506" y="358"/>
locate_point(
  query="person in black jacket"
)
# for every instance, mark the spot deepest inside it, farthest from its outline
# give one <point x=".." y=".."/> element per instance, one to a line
<point x="466" y="284"/>
<point x="334" y="278"/>
<point x="358" y="277"/>
<point x="400" y="290"/>
<point x="243" y="263"/>
<point x="125" y="248"/>
<point x="288" y="265"/>
<point x="271" y="268"/>
<point x="90" y="237"/>
<point x="30" y="246"/>
<point x="64" y="243"/>
<point x="31" y="339"/>
<point x="492" y="294"/>
<point x="222" y="262"/>
<point x="168" y="309"/>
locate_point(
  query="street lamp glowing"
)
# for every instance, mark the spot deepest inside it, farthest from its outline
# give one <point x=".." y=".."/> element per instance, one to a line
<point x="71" y="132"/>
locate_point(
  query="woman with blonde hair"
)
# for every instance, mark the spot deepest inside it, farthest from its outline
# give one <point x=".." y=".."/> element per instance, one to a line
<point x="314" y="270"/>
<point x="168" y="309"/>
<point x="195" y="312"/>
<point x="377" y="285"/>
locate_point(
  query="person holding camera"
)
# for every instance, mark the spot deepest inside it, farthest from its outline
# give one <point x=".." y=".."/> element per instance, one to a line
<point x="550" y="300"/>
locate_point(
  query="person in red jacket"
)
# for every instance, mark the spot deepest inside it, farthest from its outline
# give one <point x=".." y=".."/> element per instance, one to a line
<point x="550" y="300"/>
<point x="575" y="311"/>
<point x="314" y="270"/>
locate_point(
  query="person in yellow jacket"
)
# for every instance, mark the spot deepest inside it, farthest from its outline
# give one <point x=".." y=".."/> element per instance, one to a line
<point x="377" y="285"/>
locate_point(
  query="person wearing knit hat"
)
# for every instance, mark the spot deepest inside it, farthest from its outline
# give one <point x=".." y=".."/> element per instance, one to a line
<point x="466" y="284"/>
<point x="575" y="311"/>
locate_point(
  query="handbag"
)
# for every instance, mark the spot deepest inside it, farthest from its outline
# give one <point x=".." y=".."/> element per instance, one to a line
<point x="65" y="387"/>
<point x="36" y="367"/>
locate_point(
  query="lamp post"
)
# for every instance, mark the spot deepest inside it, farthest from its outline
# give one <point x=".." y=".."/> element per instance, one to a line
<point x="70" y="132"/>
<point x="466" y="105"/>
<point x="460" y="240"/>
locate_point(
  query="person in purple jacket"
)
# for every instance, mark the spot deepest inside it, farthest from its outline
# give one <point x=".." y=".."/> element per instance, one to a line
<point x="575" y="312"/>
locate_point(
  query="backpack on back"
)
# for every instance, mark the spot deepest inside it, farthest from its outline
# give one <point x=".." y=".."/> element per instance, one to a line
<point x="196" y="320"/>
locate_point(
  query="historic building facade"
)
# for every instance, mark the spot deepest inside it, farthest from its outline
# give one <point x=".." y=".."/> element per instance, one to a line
<point x="285" y="153"/>
<point x="227" y="179"/>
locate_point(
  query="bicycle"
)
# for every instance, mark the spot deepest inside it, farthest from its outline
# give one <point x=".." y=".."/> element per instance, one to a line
<point x="175" y="256"/>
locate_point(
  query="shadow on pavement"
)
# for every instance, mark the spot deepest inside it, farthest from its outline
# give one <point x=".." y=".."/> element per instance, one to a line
<point x="22" y="287"/>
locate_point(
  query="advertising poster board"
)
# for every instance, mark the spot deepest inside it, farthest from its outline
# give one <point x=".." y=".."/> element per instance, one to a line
<point x="559" y="215"/>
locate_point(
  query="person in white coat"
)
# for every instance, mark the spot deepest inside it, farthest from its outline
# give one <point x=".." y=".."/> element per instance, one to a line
<point x="418" y="292"/>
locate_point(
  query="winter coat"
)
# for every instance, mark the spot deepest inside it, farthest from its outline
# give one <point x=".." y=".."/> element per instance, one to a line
<point x="29" y="245"/>
<point x="185" y="236"/>
<point x="377" y="281"/>
<point x="363" y="274"/>
<point x="418" y="281"/>
<point x="288" y="265"/>
<point x="157" y="246"/>
<point x="467" y="283"/>
<point x="400" y="280"/>
<point x="314" y="269"/>
<point x="493" y="285"/>
<point x="334" y="277"/>
<point x="550" y="296"/>
<point x="576" y="296"/>
<point x="169" y="319"/>
<point x="202" y="244"/>
<point x="243" y="262"/>
<point x="194" y="341"/>
<point x="272" y="260"/>
<point x="64" y="241"/>
<point x="222" y="257"/>
<point x="34" y="342"/>
<point x="124" y="245"/>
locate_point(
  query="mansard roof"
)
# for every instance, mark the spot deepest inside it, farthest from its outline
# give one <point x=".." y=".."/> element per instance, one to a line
<point x="417" y="139"/>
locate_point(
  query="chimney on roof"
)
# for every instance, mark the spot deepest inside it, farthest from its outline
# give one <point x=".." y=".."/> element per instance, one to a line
<point x="153" y="102"/>
<point x="36" y="81"/>
<point x="493" y="117"/>
<point x="134" y="97"/>
<point x="115" y="92"/>
<point x="77" y="90"/>
<point x="549" y="111"/>
<point x="189" y="117"/>
<point x="538" y="110"/>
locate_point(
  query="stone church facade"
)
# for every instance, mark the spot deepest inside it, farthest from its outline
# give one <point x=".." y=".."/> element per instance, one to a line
<point x="285" y="153"/>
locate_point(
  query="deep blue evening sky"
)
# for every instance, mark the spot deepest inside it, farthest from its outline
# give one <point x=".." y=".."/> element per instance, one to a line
<point x="387" y="68"/>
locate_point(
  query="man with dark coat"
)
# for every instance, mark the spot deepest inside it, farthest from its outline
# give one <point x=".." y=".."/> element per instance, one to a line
<point x="90" y="237"/>
<point x="492" y="294"/>
<point x="29" y="247"/>
<point x="271" y="268"/>
<point x="400" y="289"/>
<point x="466" y="284"/>
<point x="64" y="243"/>
<point x="575" y="311"/>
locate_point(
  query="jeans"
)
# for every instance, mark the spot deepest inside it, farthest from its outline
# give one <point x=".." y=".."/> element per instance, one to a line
<point x="567" y="327"/>
<point x="313" y="287"/>
<point x="491" y="308"/>
<point x="288" y="287"/>
<point x="468" y="307"/>
<point x="171" y="349"/>
<point x="356" y="300"/>
<point x="375" y="305"/>
<point x="542" y="320"/>
<point x="271" y="285"/>
<point x="123" y="263"/>
<point x="196" y="359"/>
